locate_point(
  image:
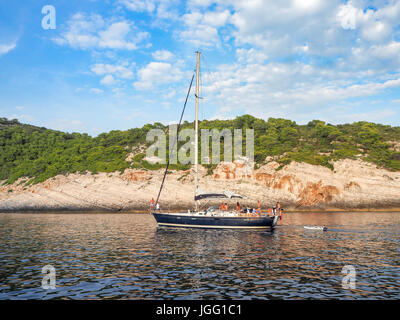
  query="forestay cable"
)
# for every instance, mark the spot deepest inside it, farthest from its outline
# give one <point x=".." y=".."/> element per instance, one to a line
<point x="175" y="140"/>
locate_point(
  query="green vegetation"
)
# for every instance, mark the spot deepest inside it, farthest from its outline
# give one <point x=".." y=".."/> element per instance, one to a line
<point x="40" y="153"/>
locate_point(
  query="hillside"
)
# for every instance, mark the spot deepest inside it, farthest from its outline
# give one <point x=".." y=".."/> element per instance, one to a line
<point x="38" y="153"/>
<point x="353" y="184"/>
<point x="314" y="166"/>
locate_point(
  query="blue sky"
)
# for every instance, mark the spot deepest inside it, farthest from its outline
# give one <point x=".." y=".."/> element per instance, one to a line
<point x="119" y="64"/>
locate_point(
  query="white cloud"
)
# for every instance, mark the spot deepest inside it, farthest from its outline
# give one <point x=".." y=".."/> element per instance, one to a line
<point x="200" y="36"/>
<point x="308" y="6"/>
<point x="294" y="57"/>
<point x="160" y="9"/>
<point x="390" y="13"/>
<point x="139" y="5"/>
<point x="163" y="55"/>
<point x="92" y="31"/>
<point x="216" y="18"/>
<point x="114" y="36"/>
<point x="156" y="73"/>
<point x="376" y="31"/>
<point x="121" y="71"/>
<point x="113" y="74"/>
<point x="168" y="9"/>
<point x="378" y="58"/>
<point x="7" y="47"/>
<point x="289" y="90"/>
<point x="279" y="29"/>
<point x="201" y="29"/>
<point x="373" y="25"/>
<point x="170" y="94"/>
<point x="313" y="29"/>
<point x="108" y="80"/>
<point x="200" y="3"/>
<point x="347" y="16"/>
<point x="250" y="56"/>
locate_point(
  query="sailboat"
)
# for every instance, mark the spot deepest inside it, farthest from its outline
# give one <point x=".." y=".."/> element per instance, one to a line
<point x="211" y="217"/>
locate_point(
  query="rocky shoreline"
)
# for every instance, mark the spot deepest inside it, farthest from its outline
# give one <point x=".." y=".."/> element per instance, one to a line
<point x="353" y="185"/>
<point x="52" y="210"/>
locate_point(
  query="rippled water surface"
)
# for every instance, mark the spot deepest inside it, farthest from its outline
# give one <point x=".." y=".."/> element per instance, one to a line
<point x="125" y="256"/>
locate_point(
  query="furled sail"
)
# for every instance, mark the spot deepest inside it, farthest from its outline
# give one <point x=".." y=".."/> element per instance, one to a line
<point x="217" y="194"/>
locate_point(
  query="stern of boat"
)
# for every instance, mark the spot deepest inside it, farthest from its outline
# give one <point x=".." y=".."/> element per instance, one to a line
<point x="275" y="221"/>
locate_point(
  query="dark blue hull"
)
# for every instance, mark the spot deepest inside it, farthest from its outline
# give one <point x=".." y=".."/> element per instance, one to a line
<point x="174" y="220"/>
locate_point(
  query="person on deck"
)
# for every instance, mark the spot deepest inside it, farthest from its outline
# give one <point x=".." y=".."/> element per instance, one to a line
<point x="258" y="211"/>
<point x="237" y="207"/>
<point x="152" y="202"/>
<point x="279" y="210"/>
<point x="221" y="207"/>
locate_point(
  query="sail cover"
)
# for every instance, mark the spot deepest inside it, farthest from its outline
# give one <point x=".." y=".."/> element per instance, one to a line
<point x="217" y="194"/>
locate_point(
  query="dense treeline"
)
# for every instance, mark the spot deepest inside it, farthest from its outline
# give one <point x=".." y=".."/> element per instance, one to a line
<point x="40" y="153"/>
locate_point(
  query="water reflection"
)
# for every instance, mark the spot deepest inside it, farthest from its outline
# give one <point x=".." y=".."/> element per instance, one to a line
<point x="123" y="256"/>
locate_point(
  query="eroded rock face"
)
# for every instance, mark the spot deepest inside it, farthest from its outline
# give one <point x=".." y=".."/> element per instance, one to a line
<point x="316" y="193"/>
<point x="307" y="193"/>
<point x="233" y="170"/>
<point x="352" y="184"/>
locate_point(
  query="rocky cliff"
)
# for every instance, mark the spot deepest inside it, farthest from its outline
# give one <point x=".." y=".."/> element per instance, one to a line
<point x="353" y="184"/>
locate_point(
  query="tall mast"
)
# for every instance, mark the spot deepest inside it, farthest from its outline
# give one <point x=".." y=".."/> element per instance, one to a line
<point x="196" y="131"/>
